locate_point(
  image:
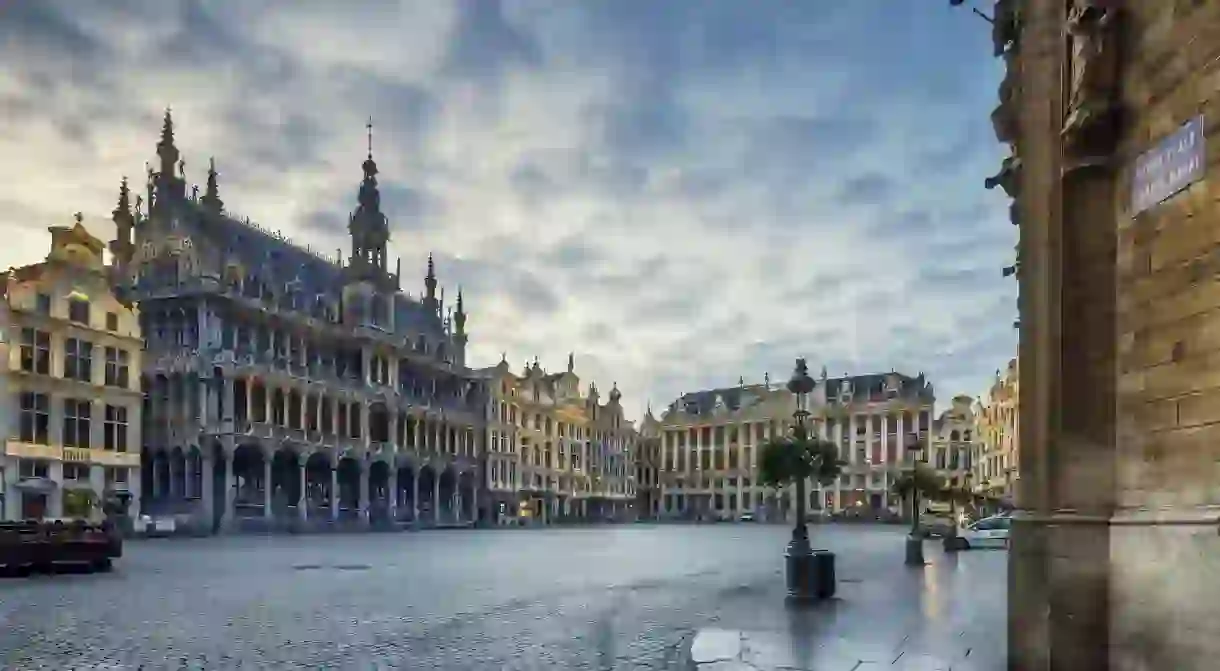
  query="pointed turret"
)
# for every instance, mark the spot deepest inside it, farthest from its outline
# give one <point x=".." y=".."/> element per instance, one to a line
<point x="430" y="301"/>
<point x="211" y="195"/>
<point x="168" y="183"/>
<point x="571" y="362"/>
<point x="121" y="247"/>
<point x="459" y="317"/>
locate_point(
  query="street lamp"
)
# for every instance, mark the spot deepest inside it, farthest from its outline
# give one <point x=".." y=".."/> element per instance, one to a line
<point x="810" y="574"/>
<point x="914" y="544"/>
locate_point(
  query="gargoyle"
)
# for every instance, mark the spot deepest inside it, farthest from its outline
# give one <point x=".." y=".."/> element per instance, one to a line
<point x="1006" y="178"/>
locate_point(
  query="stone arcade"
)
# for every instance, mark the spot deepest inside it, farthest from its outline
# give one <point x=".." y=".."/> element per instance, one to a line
<point x="286" y="389"/>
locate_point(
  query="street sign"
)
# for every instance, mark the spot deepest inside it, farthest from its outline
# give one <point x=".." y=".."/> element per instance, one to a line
<point x="1176" y="162"/>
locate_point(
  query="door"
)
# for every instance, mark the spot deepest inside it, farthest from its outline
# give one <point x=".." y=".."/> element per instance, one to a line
<point x="33" y="506"/>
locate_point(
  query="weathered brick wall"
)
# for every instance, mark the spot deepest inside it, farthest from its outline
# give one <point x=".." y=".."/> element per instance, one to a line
<point x="1164" y="541"/>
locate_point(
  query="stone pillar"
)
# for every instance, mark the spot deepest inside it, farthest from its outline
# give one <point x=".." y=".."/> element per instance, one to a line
<point x="363" y="503"/>
<point x="229" y="504"/>
<point x="334" y="492"/>
<point x="436" y="498"/>
<point x="392" y="494"/>
<point x="415" y="498"/>
<point x="228" y="401"/>
<point x="208" y="495"/>
<point x="302" y="497"/>
<point x="474" y="504"/>
<point x="268" y="509"/>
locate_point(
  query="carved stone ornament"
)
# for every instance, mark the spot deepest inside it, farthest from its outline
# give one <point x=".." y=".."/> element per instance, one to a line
<point x="1089" y="129"/>
<point x="1007" y="177"/>
<point x="1005" y="26"/>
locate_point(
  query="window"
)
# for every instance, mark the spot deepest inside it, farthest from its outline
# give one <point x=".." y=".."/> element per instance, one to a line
<point x="35" y="418"/>
<point x="116" y="475"/>
<point x="78" y="310"/>
<point x="78" y="360"/>
<point x="117" y="367"/>
<point x="76" y="422"/>
<point x="36" y="351"/>
<point x="42" y="304"/>
<point x="112" y="321"/>
<point x="115" y="428"/>
<point x="74" y="472"/>
<point x="33" y="469"/>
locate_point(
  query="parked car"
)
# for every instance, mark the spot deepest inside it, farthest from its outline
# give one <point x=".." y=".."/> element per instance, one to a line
<point x="935" y="525"/>
<point x="989" y="532"/>
<point x="747" y="517"/>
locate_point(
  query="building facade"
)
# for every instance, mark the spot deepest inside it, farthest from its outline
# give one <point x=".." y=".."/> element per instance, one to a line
<point x="286" y="387"/>
<point x="648" y="468"/>
<point x="952" y="452"/>
<point x="72" y="397"/>
<point x="710" y="442"/>
<point x="1112" y="561"/>
<point x="997" y="453"/>
<point x="556" y="455"/>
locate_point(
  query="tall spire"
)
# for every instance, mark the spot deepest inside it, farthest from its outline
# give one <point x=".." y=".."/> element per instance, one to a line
<point x="369" y="229"/>
<point x="571" y="361"/>
<point x="211" y="196"/>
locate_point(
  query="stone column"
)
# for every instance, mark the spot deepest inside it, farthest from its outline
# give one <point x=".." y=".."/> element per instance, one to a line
<point x="334" y="492"/>
<point x="392" y="494"/>
<point x="436" y="498"/>
<point x="230" y="490"/>
<point x="302" y="497"/>
<point x="415" y="498"/>
<point x="268" y="510"/>
<point x="363" y="502"/>
<point x="474" y="504"/>
<point x="208" y="495"/>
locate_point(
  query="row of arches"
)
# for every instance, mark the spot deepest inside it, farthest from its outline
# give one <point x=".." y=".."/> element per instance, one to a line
<point x="287" y="484"/>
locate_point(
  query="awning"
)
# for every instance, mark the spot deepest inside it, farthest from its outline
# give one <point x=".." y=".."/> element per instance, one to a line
<point x="43" y="485"/>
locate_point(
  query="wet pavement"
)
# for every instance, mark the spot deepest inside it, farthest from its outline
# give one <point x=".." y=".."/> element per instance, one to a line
<point x="628" y="597"/>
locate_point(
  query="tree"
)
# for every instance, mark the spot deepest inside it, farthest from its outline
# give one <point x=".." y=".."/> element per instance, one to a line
<point x="793" y="459"/>
<point x="921" y="481"/>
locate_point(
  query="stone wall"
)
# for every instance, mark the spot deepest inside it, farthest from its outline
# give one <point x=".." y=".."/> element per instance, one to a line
<point x="1116" y="555"/>
<point x="1165" y="537"/>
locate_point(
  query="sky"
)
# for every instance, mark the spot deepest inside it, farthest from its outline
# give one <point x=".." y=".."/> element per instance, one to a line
<point x="680" y="193"/>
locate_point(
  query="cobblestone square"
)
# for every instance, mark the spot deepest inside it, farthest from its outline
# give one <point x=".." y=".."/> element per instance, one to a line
<point x="612" y="597"/>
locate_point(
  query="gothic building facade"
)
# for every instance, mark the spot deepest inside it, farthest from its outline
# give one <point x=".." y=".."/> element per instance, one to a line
<point x="285" y="388"/>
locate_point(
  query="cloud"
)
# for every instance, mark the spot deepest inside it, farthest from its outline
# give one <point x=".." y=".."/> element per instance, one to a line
<point x="680" y="193"/>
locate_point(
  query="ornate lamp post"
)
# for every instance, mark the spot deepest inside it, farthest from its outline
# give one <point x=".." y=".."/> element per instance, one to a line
<point x="914" y="543"/>
<point x="810" y="573"/>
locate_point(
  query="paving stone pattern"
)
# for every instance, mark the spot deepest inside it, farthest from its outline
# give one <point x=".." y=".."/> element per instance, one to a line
<point x="602" y="598"/>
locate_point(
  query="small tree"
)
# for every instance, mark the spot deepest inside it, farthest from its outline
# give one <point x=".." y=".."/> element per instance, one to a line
<point x="923" y="481"/>
<point x="794" y="458"/>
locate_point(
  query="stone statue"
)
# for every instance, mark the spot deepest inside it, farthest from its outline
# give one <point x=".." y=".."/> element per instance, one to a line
<point x="1094" y="71"/>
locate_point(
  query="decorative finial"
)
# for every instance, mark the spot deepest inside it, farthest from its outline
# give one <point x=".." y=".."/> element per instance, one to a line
<point x="369" y="127"/>
<point x="80" y="219"/>
<point x="571" y="361"/>
<point x="503" y="357"/>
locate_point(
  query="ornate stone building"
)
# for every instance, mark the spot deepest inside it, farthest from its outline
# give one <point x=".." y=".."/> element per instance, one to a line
<point x="554" y="454"/>
<point x="997" y="452"/>
<point x="286" y="387"/>
<point x="1106" y="106"/>
<point x="952" y="451"/>
<point x="72" y="385"/>
<point x="710" y="441"/>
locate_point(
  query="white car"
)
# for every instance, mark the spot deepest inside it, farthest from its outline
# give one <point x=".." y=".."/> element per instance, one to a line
<point x="989" y="532"/>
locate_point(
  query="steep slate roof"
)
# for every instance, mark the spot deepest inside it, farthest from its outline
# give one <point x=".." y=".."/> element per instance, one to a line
<point x="277" y="261"/>
<point x="865" y="388"/>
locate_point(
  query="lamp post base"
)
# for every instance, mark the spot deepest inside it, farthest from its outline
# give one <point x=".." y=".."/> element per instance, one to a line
<point x="914" y="551"/>
<point x="810" y="574"/>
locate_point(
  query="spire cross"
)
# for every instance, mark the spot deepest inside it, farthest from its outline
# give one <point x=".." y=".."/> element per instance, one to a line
<point x="369" y="127"/>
